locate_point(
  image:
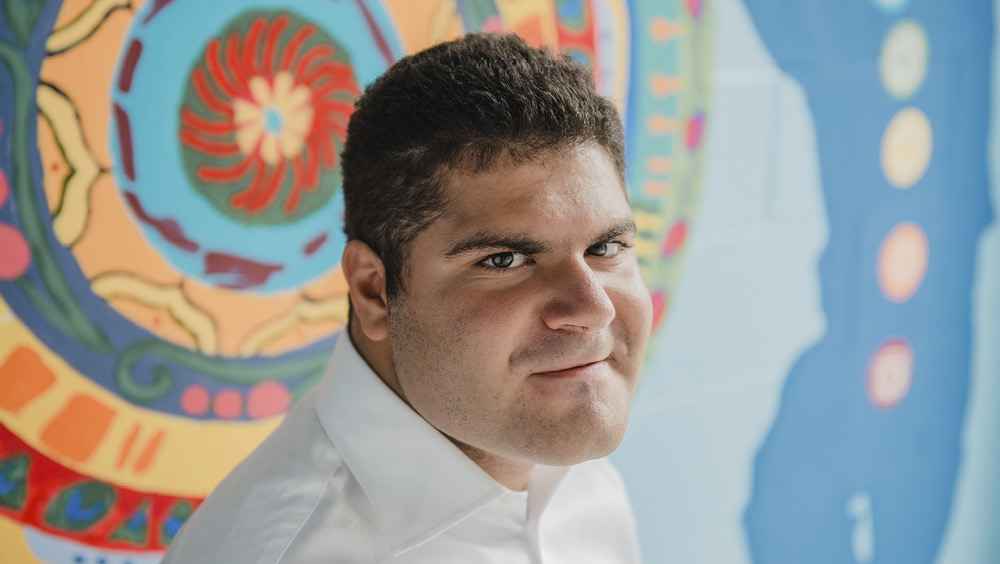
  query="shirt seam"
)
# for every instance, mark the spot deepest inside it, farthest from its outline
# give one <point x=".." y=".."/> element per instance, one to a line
<point x="319" y="498"/>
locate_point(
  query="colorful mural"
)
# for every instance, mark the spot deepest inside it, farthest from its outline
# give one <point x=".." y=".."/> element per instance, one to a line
<point x="170" y="226"/>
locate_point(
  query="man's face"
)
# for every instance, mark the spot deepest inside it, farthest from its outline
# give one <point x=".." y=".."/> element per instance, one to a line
<point x="524" y="318"/>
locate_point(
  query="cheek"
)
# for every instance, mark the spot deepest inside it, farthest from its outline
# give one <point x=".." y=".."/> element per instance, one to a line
<point x="496" y="318"/>
<point x="634" y="307"/>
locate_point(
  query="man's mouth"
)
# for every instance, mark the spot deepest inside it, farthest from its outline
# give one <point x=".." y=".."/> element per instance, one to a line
<point x="576" y="370"/>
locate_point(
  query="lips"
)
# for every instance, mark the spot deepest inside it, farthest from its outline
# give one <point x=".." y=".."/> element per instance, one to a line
<point x="581" y="369"/>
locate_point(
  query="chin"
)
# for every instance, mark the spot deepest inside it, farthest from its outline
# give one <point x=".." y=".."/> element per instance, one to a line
<point x="570" y="450"/>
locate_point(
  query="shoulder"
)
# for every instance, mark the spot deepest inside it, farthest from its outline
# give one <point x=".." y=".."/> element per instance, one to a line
<point x="270" y="505"/>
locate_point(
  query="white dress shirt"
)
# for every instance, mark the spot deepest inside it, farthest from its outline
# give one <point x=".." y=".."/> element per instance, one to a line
<point x="354" y="475"/>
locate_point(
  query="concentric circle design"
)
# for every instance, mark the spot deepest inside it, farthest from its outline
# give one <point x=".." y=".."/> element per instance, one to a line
<point x="264" y="116"/>
<point x="238" y="188"/>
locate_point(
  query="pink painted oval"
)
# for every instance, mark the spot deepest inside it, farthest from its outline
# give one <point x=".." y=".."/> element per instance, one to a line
<point x="15" y="256"/>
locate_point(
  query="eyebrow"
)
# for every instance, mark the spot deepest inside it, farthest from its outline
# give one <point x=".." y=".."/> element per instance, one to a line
<point x="623" y="226"/>
<point x="487" y="241"/>
<point x="481" y="242"/>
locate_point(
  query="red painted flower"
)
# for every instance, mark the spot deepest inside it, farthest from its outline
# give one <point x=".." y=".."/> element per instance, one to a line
<point x="264" y="117"/>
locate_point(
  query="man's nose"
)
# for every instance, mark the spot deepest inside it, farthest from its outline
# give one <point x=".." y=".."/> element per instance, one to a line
<point x="578" y="298"/>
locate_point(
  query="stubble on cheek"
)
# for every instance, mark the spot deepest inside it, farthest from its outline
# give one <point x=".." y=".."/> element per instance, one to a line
<point x="440" y="369"/>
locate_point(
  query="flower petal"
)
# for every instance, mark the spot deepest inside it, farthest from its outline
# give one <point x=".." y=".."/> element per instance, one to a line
<point x="291" y="145"/>
<point x="245" y="112"/>
<point x="269" y="149"/>
<point x="298" y="98"/>
<point x="300" y="122"/>
<point x="283" y="83"/>
<point x="260" y="90"/>
<point x="248" y="135"/>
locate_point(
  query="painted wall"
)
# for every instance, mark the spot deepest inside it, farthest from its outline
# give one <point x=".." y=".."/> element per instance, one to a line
<point x="826" y="386"/>
<point x="817" y="231"/>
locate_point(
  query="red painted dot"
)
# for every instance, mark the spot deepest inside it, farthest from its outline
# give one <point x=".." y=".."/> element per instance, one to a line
<point x="695" y="130"/>
<point x="15" y="256"/>
<point x="267" y="399"/>
<point x="4" y="188"/>
<point x="676" y="238"/>
<point x="694" y="7"/>
<point x="195" y="400"/>
<point x="659" y="307"/>
<point x="228" y="404"/>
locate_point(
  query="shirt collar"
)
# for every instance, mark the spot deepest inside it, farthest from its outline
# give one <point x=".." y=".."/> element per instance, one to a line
<point x="418" y="482"/>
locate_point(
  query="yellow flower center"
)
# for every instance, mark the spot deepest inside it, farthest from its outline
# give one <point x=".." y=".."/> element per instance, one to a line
<point x="276" y="120"/>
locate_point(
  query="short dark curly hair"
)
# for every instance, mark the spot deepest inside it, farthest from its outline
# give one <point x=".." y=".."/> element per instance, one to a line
<point x="473" y="104"/>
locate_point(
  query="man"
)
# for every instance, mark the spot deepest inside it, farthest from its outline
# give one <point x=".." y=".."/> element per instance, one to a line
<point x="497" y="327"/>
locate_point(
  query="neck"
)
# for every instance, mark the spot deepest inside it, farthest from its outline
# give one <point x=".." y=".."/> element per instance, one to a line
<point x="511" y="474"/>
<point x="376" y="355"/>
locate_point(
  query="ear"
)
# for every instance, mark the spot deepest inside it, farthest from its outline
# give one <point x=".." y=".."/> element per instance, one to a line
<point x="365" y="275"/>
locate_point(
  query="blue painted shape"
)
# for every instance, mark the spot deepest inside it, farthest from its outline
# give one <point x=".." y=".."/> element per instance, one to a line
<point x="569" y="9"/>
<point x="273" y="120"/>
<point x="7" y="486"/>
<point x="171" y="525"/>
<point x="828" y="442"/>
<point x="77" y="512"/>
<point x="136" y="521"/>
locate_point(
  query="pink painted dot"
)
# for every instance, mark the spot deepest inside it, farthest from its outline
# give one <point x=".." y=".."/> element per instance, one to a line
<point x="268" y="398"/>
<point x="492" y="24"/>
<point x="694" y="7"/>
<point x="890" y="373"/>
<point x="228" y="404"/>
<point x="676" y="238"/>
<point x="4" y="188"/>
<point x="659" y="307"/>
<point x="695" y="130"/>
<point x="15" y="256"/>
<point x="195" y="400"/>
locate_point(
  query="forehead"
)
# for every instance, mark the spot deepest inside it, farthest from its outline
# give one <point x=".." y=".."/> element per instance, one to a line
<point x="578" y="190"/>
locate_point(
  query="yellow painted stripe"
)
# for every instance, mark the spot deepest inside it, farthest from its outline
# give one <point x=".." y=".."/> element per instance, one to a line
<point x="309" y="311"/>
<point x="70" y="221"/>
<point x="171" y="298"/>
<point x="80" y="28"/>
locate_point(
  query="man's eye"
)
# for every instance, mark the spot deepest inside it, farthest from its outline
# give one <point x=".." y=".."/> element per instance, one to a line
<point x="505" y="260"/>
<point x="605" y="249"/>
